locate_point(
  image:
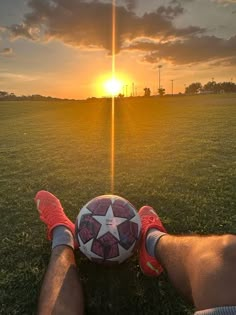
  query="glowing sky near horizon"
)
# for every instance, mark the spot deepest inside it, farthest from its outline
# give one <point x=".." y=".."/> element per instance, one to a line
<point x="63" y="48"/>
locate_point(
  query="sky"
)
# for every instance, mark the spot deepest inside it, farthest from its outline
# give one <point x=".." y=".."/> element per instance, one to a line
<point x="63" y="48"/>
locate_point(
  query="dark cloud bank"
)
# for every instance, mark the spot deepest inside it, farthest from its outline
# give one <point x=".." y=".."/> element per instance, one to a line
<point x="89" y="24"/>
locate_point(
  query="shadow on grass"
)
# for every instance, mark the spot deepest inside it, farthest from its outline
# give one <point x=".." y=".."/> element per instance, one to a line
<point x="125" y="290"/>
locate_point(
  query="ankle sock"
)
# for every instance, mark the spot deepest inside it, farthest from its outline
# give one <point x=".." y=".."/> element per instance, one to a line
<point x="153" y="237"/>
<point x="61" y="235"/>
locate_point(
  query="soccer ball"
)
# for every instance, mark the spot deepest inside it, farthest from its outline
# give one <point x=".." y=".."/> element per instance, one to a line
<point x="108" y="229"/>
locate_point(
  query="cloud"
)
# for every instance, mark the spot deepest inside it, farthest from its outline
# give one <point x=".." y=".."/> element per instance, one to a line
<point x="5" y="76"/>
<point x="181" y="1"/>
<point x="23" y="30"/>
<point x="224" y="62"/>
<point x="131" y="4"/>
<point x="89" y="24"/>
<point x="225" y="1"/>
<point x="193" y="50"/>
<point x="6" y="52"/>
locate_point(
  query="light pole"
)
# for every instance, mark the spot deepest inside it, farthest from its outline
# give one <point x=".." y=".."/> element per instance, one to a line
<point x="159" y="67"/>
<point x="172" y="87"/>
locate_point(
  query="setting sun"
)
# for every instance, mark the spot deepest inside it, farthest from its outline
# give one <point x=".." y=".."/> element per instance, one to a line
<point x="113" y="86"/>
<point x="107" y="84"/>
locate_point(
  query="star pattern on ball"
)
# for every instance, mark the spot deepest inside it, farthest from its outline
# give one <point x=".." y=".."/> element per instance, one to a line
<point x="109" y="223"/>
<point x="123" y="254"/>
<point x="86" y="249"/>
<point x="84" y="210"/>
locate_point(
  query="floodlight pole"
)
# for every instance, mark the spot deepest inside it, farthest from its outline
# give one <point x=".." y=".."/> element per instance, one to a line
<point x="172" y="87"/>
<point x="159" y="67"/>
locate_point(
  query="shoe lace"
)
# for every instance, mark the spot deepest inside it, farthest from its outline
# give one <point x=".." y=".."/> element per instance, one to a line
<point x="149" y="219"/>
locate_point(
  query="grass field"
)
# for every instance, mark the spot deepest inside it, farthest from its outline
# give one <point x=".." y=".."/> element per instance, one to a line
<point x="177" y="154"/>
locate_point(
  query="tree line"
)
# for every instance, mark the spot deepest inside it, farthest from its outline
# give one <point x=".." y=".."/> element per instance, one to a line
<point x="6" y="96"/>
<point x="211" y="87"/>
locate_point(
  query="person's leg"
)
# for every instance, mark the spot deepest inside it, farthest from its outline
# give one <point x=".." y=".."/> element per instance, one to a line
<point x="201" y="268"/>
<point x="61" y="292"/>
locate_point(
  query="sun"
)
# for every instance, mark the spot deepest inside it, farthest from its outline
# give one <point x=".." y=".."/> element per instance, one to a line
<point x="113" y="86"/>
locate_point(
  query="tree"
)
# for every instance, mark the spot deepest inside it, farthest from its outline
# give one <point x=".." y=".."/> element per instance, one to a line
<point x="227" y="87"/>
<point x="3" y="93"/>
<point x="147" y="92"/>
<point x="211" y="86"/>
<point x="193" y="88"/>
<point x="161" y="91"/>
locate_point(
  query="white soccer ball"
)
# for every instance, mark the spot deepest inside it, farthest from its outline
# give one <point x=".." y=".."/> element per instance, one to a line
<point x="108" y="229"/>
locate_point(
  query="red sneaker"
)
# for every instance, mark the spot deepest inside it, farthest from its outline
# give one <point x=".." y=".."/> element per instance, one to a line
<point x="51" y="212"/>
<point x="149" y="220"/>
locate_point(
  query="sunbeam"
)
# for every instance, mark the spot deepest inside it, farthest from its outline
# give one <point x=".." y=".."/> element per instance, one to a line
<point x="113" y="96"/>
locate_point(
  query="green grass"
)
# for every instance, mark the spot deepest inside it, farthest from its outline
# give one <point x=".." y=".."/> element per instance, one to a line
<point x="176" y="154"/>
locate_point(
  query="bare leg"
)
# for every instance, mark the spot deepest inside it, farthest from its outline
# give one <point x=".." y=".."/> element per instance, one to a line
<point x="61" y="292"/>
<point x="203" y="269"/>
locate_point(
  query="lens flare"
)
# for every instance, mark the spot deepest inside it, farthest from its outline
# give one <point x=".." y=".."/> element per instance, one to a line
<point x="115" y="86"/>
